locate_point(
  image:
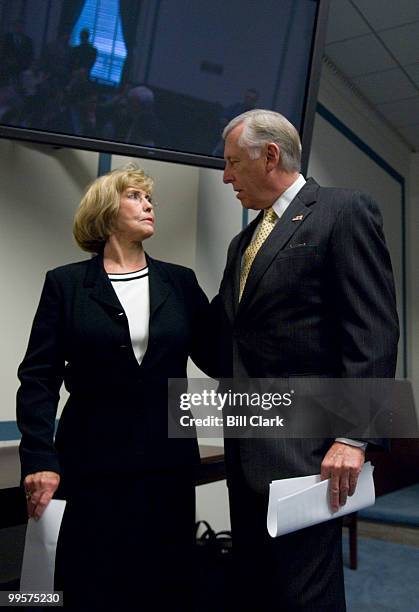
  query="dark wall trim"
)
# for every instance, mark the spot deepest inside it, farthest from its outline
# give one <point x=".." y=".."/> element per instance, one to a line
<point x="104" y="163"/>
<point x="9" y="431"/>
<point x="350" y="135"/>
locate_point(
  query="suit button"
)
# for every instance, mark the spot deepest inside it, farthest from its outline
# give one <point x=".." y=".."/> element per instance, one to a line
<point x="123" y="346"/>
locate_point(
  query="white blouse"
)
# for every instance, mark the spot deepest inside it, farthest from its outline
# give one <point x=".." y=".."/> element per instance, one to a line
<point x="133" y="292"/>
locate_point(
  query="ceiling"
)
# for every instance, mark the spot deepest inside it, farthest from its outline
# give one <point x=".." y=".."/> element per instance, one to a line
<point x="374" y="44"/>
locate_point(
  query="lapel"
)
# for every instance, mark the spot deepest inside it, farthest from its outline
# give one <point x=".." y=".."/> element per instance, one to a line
<point x="101" y="287"/>
<point x="296" y="213"/>
<point x="159" y="286"/>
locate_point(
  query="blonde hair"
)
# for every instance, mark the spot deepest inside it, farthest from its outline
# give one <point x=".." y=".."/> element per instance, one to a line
<point x="97" y="211"/>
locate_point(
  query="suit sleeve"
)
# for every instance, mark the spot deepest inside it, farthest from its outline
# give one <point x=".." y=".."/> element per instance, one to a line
<point x="219" y="323"/>
<point x="200" y="348"/>
<point x="41" y="376"/>
<point x="365" y="295"/>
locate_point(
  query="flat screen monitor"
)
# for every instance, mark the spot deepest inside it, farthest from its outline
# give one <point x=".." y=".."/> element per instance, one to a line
<point x="155" y="78"/>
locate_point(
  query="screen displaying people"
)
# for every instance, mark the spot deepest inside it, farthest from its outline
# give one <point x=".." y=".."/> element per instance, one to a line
<point x="93" y="66"/>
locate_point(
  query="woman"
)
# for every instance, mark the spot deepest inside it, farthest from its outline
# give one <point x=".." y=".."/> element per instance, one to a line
<point x="114" y="328"/>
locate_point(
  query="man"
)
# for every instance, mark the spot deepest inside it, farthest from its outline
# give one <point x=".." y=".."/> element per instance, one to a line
<point x="84" y="55"/>
<point x="307" y="291"/>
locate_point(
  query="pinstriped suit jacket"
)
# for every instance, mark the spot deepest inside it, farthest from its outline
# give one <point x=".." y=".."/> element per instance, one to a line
<point x="319" y="301"/>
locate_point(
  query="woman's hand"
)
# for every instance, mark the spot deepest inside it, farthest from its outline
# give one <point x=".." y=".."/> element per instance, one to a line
<point x="40" y="488"/>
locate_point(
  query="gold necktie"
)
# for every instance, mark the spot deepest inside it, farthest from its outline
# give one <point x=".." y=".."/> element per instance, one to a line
<point x="268" y="222"/>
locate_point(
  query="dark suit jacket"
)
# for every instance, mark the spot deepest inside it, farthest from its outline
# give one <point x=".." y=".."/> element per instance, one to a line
<point x="319" y="301"/>
<point x="116" y="416"/>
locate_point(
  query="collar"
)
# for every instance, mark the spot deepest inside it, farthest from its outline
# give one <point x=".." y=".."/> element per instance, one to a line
<point x="285" y="199"/>
<point x="103" y="292"/>
<point x="95" y="270"/>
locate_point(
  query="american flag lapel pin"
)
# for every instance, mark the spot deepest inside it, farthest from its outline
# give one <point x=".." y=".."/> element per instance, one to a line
<point x="298" y="218"/>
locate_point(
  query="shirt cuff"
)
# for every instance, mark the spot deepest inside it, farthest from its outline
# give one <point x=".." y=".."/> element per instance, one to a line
<point x="351" y="442"/>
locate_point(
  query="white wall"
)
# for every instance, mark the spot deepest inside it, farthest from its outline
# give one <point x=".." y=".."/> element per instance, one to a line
<point x="40" y="189"/>
<point x="219" y="219"/>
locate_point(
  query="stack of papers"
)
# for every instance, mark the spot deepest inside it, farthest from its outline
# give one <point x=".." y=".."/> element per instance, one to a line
<point x="40" y="546"/>
<point x="295" y="503"/>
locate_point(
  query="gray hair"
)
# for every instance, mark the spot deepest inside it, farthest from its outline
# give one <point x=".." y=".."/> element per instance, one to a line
<point x="264" y="126"/>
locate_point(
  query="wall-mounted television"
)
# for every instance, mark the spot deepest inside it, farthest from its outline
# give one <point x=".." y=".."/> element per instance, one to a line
<point x="155" y="78"/>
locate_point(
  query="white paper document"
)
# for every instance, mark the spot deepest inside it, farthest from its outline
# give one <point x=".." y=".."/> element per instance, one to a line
<point x="40" y="547"/>
<point x="295" y="503"/>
